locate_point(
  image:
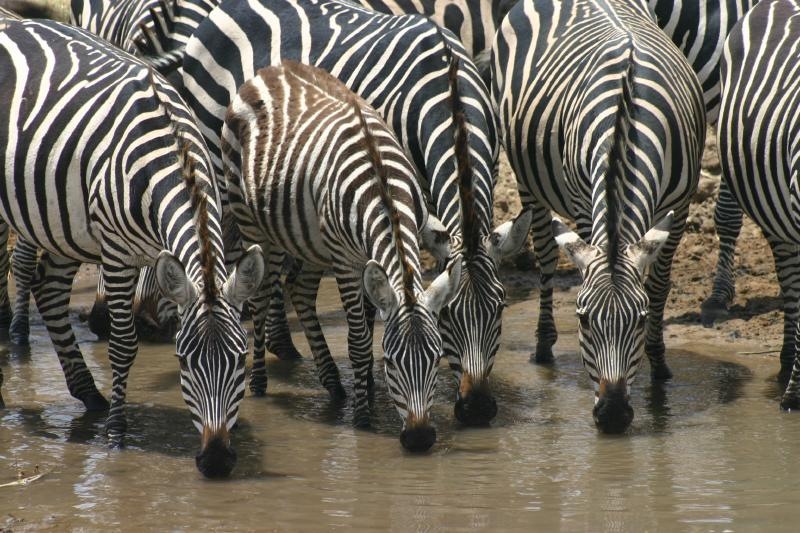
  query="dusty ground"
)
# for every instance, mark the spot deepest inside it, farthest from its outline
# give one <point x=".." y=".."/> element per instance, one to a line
<point x="756" y="317"/>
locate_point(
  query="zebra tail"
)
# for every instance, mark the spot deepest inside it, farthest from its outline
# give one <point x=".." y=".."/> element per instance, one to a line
<point x="618" y="161"/>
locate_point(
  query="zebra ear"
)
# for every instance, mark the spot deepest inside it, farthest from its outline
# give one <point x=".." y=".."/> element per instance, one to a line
<point x="646" y="251"/>
<point x="509" y="236"/>
<point x="442" y="290"/>
<point x="246" y="277"/>
<point x="378" y="289"/>
<point x="175" y="285"/>
<point x="576" y="249"/>
<point x="435" y="239"/>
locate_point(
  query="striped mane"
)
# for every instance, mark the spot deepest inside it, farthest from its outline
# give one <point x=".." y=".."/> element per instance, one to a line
<point x="199" y="199"/>
<point x="470" y="229"/>
<point x="386" y="198"/>
<point x="617" y="159"/>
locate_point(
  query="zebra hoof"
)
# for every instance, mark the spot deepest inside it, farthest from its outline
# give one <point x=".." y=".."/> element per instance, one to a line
<point x="790" y="402"/>
<point x="94" y="401"/>
<point x="258" y="386"/>
<point x="116" y="441"/>
<point x="712" y="311"/>
<point x="661" y="373"/>
<point x="543" y="356"/>
<point x="285" y="352"/>
<point x="337" y="392"/>
<point x="361" y="419"/>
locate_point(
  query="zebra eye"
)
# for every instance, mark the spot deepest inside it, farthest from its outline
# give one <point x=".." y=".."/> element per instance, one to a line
<point x="182" y="361"/>
<point x="242" y="360"/>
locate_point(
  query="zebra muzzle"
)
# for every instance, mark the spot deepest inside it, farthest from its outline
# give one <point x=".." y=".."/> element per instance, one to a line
<point x="612" y="411"/>
<point x="216" y="458"/>
<point x="475" y="406"/>
<point x="418" y="435"/>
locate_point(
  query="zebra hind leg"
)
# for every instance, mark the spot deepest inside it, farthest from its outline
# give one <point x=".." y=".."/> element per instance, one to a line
<point x="279" y="337"/>
<point x="728" y="222"/>
<point x="5" y="307"/>
<point x="658" y="285"/>
<point x="3" y="247"/>
<point x="98" y="317"/>
<point x="787" y="267"/>
<point x="304" y="300"/>
<point x="120" y="286"/>
<point x="547" y="253"/>
<point x="23" y="265"/>
<point x="258" y="311"/>
<point x="51" y="286"/>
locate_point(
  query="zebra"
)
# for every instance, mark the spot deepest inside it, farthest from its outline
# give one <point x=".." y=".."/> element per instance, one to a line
<point x="757" y="137"/>
<point x="314" y="171"/>
<point x="474" y="22"/>
<point x="603" y="122"/>
<point x="134" y="187"/>
<point x="699" y="30"/>
<point x="399" y="66"/>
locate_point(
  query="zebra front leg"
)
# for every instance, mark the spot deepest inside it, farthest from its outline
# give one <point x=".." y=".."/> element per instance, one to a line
<point x="279" y="337"/>
<point x="728" y="223"/>
<point x="787" y="267"/>
<point x="4" y="245"/>
<point x="51" y="287"/>
<point x="120" y="285"/>
<point x="23" y="265"/>
<point x="304" y="299"/>
<point x="359" y="343"/>
<point x="658" y="285"/>
<point x="546" y="251"/>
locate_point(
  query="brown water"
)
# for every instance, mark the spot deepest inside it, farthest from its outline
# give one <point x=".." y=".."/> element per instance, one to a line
<point x="708" y="452"/>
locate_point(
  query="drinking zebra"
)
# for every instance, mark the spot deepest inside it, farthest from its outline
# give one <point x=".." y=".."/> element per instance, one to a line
<point x="102" y="163"/>
<point x="397" y="65"/>
<point x="314" y="171"/>
<point x="757" y="136"/>
<point x="603" y="122"/>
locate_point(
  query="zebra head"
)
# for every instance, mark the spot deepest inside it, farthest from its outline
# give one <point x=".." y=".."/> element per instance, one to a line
<point x="612" y="309"/>
<point x="412" y="347"/>
<point x="471" y="324"/>
<point x="211" y="346"/>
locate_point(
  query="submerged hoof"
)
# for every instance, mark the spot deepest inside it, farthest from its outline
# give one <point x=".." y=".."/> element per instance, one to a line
<point x="285" y="352"/>
<point x="94" y="401"/>
<point x="337" y="392"/>
<point x="116" y="442"/>
<point x="790" y="402"/>
<point x="712" y="311"/>
<point x="543" y="356"/>
<point x="661" y="373"/>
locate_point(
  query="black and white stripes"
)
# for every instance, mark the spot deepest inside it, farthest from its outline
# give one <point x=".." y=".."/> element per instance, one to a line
<point x="102" y="163"/>
<point x="603" y="122"/>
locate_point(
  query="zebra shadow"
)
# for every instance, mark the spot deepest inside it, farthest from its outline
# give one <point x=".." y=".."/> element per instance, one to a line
<point x="753" y="307"/>
<point x="156" y="429"/>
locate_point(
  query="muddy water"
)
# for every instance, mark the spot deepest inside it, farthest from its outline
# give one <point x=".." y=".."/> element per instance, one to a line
<point x="708" y="452"/>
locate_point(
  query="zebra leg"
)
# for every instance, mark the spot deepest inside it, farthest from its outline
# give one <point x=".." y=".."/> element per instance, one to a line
<point x="120" y="286"/>
<point x="23" y="265"/>
<point x="787" y="266"/>
<point x="5" y="307"/>
<point x="728" y="222"/>
<point x="156" y="317"/>
<point x="279" y="337"/>
<point x="658" y="285"/>
<point x="359" y="343"/>
<point x="369" y="314"/>
<point x="547" y="254"/>
<point x="98" y="316"/>
<point x="304" y="300"/>
<point x="4" y="246"/>
<point x="51" y="287"/>
<point x="258" y="311"/>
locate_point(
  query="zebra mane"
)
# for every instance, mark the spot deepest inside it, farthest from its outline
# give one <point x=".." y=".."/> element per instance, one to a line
<point x="198" y="198"/>
<point x="388" y="202"/>
<point x="470" y="228"/>
<point x="616" y="162"/>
